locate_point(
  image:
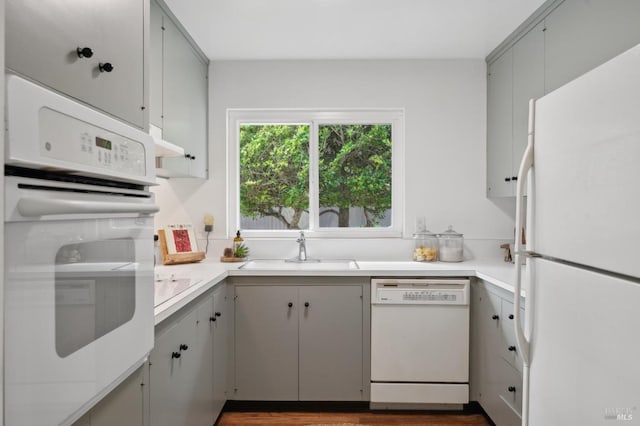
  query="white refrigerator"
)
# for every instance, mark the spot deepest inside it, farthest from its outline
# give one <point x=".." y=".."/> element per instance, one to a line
<point x="581" y="340"/>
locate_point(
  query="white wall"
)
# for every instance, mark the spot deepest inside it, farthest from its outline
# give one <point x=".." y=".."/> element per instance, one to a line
<point x="445" y="132"/>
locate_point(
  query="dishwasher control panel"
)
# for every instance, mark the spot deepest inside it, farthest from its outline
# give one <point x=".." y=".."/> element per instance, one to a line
<point x="420" y="291"/>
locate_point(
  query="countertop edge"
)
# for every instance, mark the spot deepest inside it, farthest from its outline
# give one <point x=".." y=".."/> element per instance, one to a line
<point x="491" y="272"/>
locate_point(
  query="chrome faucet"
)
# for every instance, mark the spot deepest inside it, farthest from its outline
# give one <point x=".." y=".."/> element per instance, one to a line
<point x="302" y="249"/>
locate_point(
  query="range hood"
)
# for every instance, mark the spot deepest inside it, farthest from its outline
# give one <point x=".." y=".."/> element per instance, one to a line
<point x="163" y="147"/>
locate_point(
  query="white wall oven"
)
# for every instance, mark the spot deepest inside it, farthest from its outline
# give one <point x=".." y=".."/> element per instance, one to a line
<point x="79" y="255"/>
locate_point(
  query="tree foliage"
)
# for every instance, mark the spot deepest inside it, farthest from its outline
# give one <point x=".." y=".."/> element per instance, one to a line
<point x="354" y="171"/>
<point x="274" y="172"/>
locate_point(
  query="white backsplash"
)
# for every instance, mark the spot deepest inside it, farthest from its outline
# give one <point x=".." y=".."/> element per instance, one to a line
<point x="392" y="249"/>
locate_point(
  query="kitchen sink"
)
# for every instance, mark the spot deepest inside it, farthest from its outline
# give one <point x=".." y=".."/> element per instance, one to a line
<point x="305" y="265"/>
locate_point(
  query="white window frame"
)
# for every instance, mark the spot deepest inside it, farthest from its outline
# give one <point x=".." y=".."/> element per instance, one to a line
<point x="315" y="118"/>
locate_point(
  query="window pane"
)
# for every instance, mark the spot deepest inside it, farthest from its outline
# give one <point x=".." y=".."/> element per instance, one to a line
<point x="355" y="175"/>
<point x="274" y="176"/>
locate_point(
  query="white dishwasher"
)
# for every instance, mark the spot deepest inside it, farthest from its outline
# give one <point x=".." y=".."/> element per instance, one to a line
<point x="419" y="343"/>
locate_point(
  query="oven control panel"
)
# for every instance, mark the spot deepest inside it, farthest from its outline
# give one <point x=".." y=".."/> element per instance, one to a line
<point x="420" y="291"/>
<point x="66" y="138"/>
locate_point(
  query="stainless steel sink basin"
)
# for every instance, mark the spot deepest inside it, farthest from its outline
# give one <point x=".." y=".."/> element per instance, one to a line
<point x="306" y="265"/>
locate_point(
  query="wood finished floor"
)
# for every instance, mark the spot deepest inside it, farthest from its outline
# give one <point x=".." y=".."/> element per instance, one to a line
<point x="289" y="418"/>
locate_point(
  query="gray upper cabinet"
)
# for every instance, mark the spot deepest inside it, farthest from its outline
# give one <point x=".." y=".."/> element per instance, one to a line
<point x="499" y="125"/>
<point x="512" y="79"/>
<point x="43" y="38"/>
<point x="179" y="95"/>
<point x="582" y="34"/>
<point x="561" y="41"/>
<point x="528" y="83"/>
<point x="155" y="70"/>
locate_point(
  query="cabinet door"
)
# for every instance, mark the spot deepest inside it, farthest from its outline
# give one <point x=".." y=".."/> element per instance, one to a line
<point x="508" y="349"/>
<point x="184" y="103"/>
<point x="266" y="343"/>
<point x="486" y="362"/>
<point x="156" y="60"/>
<point x="219" y="348"/>
<point x="124" y="406"/>
<point x="199" y="374"/>
<point x="499" y="126"/>
<point x="42" y="38"/>
<point x="528" y="82"/>
<point x="582" y="34"/>
<point x="330" y="343"/>
<point x="169" y="383"/>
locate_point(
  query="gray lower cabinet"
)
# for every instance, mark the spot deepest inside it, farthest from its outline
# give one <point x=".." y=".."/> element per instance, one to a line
<point x="496" y="370"/>
<point x="219" y="327"/>
<point x="179" y="95"/>
<point x="126" y="405"/>
<point x="298" y="342"/>
<point x="43" y="38"/>
<point x="183" y="365"/>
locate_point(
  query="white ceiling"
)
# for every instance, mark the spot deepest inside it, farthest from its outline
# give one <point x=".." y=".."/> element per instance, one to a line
<point x="350" y="29"/>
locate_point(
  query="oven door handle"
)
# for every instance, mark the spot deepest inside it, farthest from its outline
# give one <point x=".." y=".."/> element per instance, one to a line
<point x="34" y="207"/>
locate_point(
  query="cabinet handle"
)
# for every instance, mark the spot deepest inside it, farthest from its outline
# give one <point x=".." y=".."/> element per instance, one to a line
<point x="512" y="348"/>
<point x="290" y="305"/>
<point x="511" y="389"/>
<point x="84" y="52"/>
<point x="511" y="316"/>
<point x="514" y="178"/>
<point x="175" y="355"/>
<point x="507" y="179"/>
<point x="183" y="347"/>
<point x="306" y="304"/>
<point x="105" y="67"/>
<point x="193" y="157"/>
<point x="218" y="314"/>
<point x="212" y="319"/>
<point x="495" y="317"/>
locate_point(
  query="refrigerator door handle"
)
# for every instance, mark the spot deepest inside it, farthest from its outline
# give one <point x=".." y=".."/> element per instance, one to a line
<point x="525" y="165"/>
<point x="521" y="342"/>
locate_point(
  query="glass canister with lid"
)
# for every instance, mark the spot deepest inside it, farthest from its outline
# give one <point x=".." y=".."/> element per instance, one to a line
<point x="450" y="246"/>
<point x="426" y="246"/>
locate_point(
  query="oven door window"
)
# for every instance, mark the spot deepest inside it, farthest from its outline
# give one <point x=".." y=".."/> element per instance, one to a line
<point x="94" y="291"/>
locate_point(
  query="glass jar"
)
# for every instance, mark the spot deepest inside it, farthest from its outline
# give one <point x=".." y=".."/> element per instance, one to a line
<point x="450" y="246"/>
<point x="426" y="246"/>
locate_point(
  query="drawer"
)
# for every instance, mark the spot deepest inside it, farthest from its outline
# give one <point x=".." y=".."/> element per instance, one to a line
<point x="508" y="349"/>
<point x="510" y="389"/>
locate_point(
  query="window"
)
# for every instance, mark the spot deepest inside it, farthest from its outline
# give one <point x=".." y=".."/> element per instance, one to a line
<point x="332" y="173"/>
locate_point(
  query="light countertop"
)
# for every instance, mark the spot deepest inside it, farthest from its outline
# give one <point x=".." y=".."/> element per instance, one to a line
<point x="177" y="285"/>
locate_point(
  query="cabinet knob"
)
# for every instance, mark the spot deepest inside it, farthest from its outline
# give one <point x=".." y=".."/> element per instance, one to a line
<point x="511" y="388"/>
<point x="105" y="67"/>
<point x="84" y="52"/>
<point x="183" y="347"/>
<point x="495" y="317"/>
<point x="306" y="304"/>
<point x="175" y="355"/>
<point x="187" y="156"/>
<point x="511" y="316"/>
<point x="212" y="319"/>
<point x="290" y="305"/>
<point x="218" y="314"/>
<point x="507" y="179"/>
<point x="514" y="178"/>
<point x="512" y="348"/>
